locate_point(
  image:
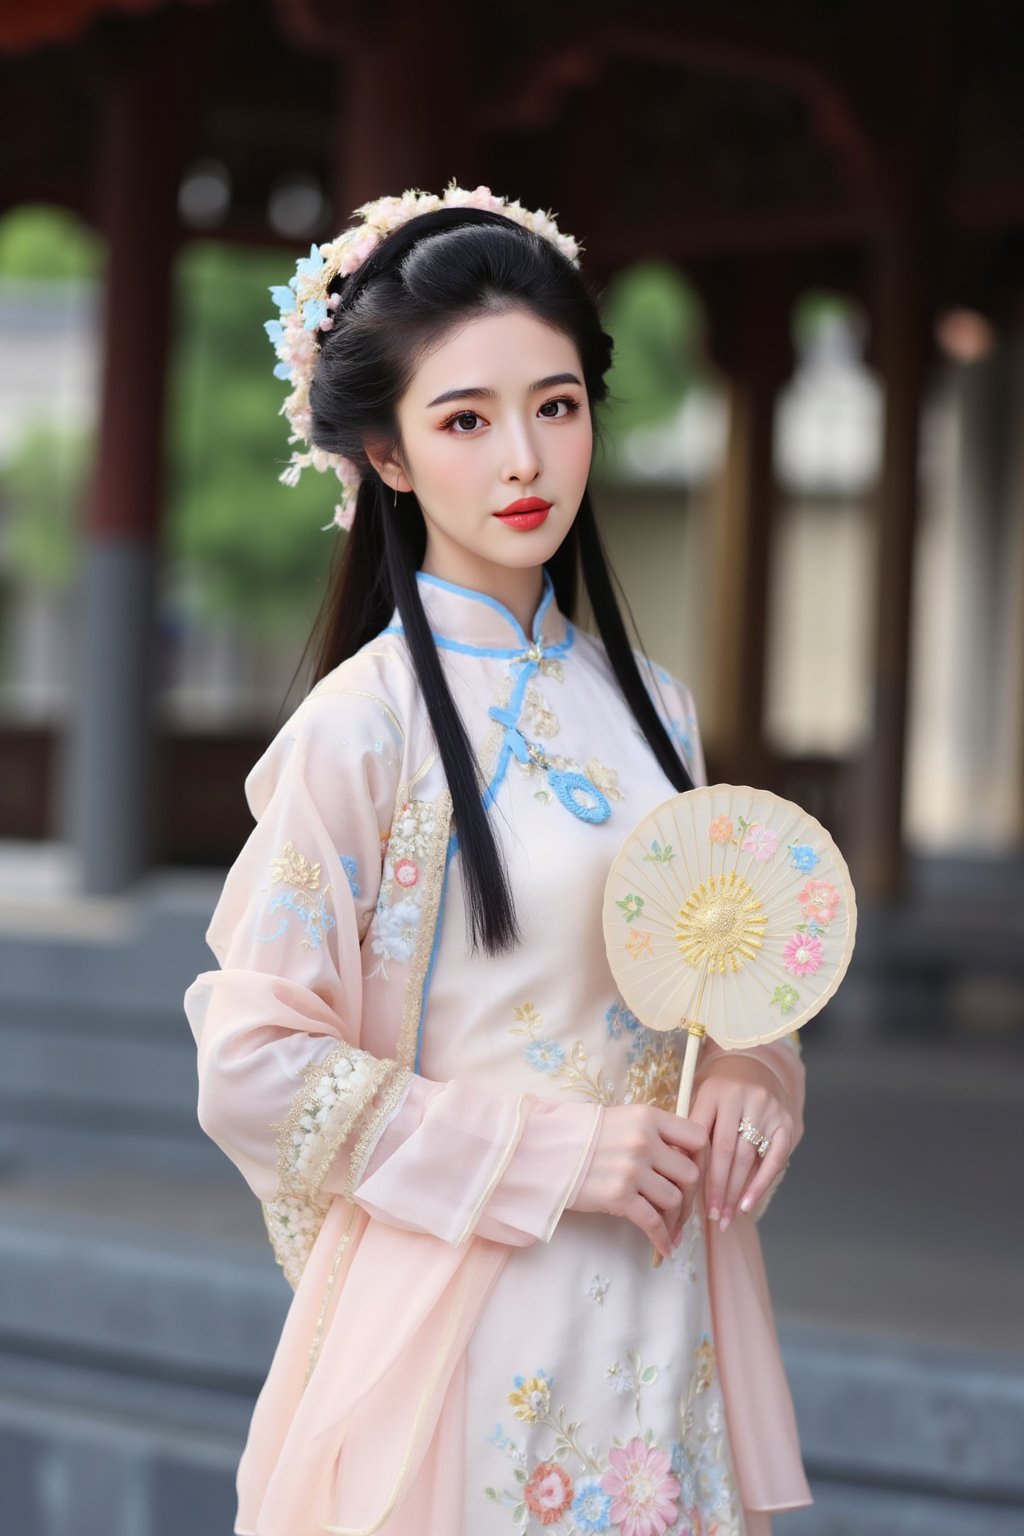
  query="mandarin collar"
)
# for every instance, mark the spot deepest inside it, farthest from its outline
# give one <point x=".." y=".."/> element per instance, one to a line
<point x="475" y="623"/>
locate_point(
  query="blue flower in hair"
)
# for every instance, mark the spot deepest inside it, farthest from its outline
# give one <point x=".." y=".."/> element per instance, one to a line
<point x="313" y="311"/>
<point x="309" y="266"/>
<point x="283" y="297"/>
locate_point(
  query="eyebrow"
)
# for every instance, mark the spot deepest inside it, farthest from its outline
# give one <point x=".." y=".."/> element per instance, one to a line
<point x="480" y="393"/>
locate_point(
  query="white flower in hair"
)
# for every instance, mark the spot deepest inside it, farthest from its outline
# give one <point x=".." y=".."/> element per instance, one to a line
<point x="306" y="306"/>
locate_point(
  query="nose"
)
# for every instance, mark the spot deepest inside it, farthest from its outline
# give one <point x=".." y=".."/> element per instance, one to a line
<point x="522" y="461"/>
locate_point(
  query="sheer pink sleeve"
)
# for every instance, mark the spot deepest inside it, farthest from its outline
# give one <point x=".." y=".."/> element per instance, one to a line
<point x="287" y="1088"/>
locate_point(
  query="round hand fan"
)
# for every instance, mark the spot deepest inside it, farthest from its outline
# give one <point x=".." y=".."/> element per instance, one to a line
<point x="728" y="911"/>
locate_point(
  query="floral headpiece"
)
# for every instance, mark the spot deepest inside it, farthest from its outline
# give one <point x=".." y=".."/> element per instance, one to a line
<point x="306" y="306"/>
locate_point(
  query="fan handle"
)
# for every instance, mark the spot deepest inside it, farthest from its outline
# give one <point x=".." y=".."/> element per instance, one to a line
<point x="694" y="1035"/>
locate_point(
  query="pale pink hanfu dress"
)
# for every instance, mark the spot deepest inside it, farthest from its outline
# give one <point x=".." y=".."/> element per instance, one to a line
<point x="463" y="1355"/>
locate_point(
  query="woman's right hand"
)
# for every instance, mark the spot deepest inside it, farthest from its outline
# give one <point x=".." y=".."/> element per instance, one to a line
<point x="646" y="1166"/>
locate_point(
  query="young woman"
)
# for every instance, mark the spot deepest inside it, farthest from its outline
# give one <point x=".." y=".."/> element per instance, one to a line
<point x="413" y="1048"/>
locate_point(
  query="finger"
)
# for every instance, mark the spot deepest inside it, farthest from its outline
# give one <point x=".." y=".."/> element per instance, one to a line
<point x="665" y="1196"/>
<point x="651" y="1222"/>
<point x="681" y="1131"/>
<point x="743" y="1164"/>
<point x="723" y="1150"/>
<point x="683" y="1170"/>
<point x="772" y="1164"/>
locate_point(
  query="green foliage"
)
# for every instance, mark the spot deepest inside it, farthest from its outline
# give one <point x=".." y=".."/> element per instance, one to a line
<point x="41" y="243"/>
<point x="41" y="487"/>
<point x="816" y="307"/>
<point x="255" y="544"/>
<point x="653" y="316"/>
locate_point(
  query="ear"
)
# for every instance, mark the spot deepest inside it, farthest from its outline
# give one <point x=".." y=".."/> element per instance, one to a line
<point x="388" y="467"/>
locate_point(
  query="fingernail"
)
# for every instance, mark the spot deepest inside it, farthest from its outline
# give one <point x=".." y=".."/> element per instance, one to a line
<point x="746" y="1203"/>
<point x="724" y="1223"/>
<point x="713" y="1212"/>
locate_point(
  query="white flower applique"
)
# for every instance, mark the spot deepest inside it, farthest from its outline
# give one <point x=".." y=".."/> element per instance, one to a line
<point x="397" y="916"/>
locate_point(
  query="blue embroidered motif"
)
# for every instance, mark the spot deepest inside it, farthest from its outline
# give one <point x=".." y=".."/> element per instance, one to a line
<point x="574" y="790"/>
<point x="348" y="864"/>
<point x="313" y="914"/>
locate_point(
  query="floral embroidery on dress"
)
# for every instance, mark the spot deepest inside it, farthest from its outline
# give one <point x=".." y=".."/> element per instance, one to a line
<point x="654" y="1073"/>
<point x="538" y="716"/>
<point x="397" y="927"/>
<point x="303" y="897"/>
<point x="603" y="778"/>
<point x="547" y="1055"/>
<point x="636" y="1487"/>
<point x="348" y="864"/>
<point x="323" y="1114"/>
<point x="597" y="1290"/>
<point x="411" y="830"/>
<point x="684" y="1255"/>
<point x="396" y="919"/>
<point x="654" y="1062"/>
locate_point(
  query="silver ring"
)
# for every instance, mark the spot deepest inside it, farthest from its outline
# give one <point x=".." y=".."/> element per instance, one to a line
<point x="753" y="1135"/>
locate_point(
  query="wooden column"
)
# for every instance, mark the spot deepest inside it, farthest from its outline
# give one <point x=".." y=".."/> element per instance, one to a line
<point x="903" y="349"/>
<point x="408" y="105"/>
<point x="109" y="771"/>
<point x="750" y="340"/>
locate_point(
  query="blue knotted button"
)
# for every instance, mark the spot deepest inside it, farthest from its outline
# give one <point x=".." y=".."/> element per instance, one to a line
<point x="570" y="786"/>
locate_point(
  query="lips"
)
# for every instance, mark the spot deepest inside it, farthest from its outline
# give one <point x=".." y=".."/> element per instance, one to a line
<point x="525" y="504"/>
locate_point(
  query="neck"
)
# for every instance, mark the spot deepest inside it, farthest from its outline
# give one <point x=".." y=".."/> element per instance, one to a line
<point x="519" y="590"/>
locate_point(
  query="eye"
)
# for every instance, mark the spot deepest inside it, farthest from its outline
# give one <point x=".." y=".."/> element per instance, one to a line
<point x="571" y="407"/>
<point x="461" y="416"/>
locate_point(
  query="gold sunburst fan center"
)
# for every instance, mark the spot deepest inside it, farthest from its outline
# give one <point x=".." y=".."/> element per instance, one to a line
<point x="721" y="924"/>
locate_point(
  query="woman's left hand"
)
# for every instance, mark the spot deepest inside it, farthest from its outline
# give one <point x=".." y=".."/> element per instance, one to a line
<point x="735" y="1088"/>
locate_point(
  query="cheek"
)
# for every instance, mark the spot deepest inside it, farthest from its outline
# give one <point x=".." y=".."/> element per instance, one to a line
<point x="579" y="451"/>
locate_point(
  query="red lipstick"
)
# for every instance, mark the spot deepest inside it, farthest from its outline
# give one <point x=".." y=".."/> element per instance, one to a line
<point x="528" y="512"/>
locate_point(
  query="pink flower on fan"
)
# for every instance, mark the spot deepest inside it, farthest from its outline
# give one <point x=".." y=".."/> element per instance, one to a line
<point x="818" y="902"/>
<point x="761" y="842"/>
<point x="803" y="954"/>
<point x="642" y="1488"/>
<point x="549" y="1492"/>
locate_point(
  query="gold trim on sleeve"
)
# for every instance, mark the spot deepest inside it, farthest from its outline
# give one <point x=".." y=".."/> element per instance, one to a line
<point x="374" y="1122"/>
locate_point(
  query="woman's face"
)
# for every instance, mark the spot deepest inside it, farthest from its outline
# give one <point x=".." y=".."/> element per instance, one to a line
<point x="496" y="413"/>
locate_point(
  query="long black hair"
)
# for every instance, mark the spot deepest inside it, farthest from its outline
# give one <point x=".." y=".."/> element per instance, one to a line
<point x="438" y="270"/>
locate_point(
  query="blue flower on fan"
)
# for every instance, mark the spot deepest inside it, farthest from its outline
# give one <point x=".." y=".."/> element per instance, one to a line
<point x="803" y="857"/>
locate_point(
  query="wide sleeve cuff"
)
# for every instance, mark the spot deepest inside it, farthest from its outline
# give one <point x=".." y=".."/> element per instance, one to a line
<point x="457" y="1160"/>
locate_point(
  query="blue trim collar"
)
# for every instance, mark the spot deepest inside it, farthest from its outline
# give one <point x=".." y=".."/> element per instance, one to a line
<point x="462" y="619"/>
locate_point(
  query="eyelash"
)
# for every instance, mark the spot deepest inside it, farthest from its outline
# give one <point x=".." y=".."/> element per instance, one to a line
<point x="568" y="400"/>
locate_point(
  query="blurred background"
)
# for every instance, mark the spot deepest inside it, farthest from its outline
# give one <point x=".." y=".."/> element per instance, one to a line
<point x="806" y="221"/>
